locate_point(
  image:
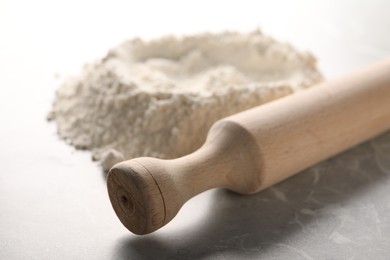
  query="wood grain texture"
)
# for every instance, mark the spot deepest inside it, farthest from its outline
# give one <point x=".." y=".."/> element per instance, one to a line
<point x="254" y="149"/>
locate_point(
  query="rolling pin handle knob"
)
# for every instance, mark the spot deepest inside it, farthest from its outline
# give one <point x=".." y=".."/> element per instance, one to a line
<point x="136" y="197"/>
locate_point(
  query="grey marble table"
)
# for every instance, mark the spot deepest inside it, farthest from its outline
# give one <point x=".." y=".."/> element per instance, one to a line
<point x="53" y="199"/>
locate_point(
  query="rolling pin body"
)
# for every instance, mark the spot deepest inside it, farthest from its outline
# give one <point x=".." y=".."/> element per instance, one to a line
<point x="254" y="149"/>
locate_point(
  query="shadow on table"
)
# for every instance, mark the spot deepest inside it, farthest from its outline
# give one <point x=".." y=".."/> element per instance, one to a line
<point x="249" y="226"/>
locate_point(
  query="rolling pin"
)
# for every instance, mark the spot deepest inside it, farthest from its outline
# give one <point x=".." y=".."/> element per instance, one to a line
<point x="252" y="150"/>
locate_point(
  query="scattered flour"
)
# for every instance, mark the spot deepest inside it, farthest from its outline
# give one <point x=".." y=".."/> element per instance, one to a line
<point x="159" y="98"/>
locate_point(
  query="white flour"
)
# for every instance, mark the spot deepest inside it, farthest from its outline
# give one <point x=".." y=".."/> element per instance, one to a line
<point x="159" y="98"/>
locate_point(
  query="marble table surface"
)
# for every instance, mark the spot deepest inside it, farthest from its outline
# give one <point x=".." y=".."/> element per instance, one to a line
<point x="53" y="198"/>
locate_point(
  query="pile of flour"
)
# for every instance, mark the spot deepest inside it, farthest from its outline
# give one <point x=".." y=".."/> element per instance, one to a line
<point x="159" y="98"/>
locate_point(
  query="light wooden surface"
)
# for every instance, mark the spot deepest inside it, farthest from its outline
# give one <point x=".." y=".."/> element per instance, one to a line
<point x="254" y="149"/>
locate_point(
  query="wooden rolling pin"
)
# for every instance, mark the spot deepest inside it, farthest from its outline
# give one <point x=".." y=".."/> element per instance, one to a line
<point x="252" y="150"/>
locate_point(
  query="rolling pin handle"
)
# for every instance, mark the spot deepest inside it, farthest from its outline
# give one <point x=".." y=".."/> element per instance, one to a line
<point x="146" y="193"/>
